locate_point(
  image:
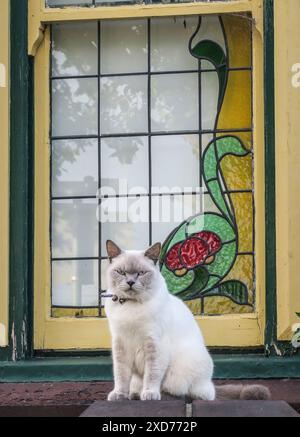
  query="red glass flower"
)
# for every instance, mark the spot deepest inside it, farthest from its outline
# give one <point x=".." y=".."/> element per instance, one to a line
<point x="196" y="250"/>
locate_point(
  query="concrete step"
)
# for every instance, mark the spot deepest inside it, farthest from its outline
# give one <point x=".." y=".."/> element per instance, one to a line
<point x="198" y="409"/>
<point x="136" y="409"/>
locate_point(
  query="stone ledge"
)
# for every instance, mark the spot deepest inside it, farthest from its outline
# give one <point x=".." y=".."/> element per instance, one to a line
<point x="157" y="409"/>
<point x="136" y="409"/>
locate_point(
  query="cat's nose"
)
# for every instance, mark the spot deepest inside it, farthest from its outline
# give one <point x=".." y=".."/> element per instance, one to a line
<point x="130" y="283"/>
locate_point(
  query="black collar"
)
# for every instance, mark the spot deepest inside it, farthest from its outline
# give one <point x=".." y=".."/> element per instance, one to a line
<point x="115" y="298"/>
<point x="121" y="300"/>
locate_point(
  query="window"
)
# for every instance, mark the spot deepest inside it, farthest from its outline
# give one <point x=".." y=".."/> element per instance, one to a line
<point x="150" y="115"/>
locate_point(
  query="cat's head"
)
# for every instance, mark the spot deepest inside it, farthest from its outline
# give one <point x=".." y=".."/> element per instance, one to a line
<point x="133" y="274"/>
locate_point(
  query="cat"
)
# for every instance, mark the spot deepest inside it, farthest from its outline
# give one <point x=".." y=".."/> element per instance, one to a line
<point x="157" y="346"/>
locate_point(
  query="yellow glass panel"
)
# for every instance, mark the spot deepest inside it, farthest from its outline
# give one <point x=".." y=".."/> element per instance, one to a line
<point x="243" y="207"/>
<point x="194" y="306"/>
<point x="217" y="305"/>
<point x="236" y="111"/>
<point x="75" y="312"/>
<point x="243" y="271"/>
<point x="237" y="172"/>
<point x="238" y="34"/>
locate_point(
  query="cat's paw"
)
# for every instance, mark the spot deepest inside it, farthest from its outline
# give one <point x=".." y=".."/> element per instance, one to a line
<point x="117" y="396"/>
<point x="150" y="395"/>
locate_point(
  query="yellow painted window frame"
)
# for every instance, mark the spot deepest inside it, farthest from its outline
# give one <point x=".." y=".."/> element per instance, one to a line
<point x="287" y="106"/>
<point x="4" y="165"/>
<point x="246" y="330"/>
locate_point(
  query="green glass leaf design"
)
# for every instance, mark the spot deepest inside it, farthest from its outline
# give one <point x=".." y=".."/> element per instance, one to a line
<point x="298" y="315"/>
<point x="200" y="281"/>
<point x="175" y="284"/>
<point x="235" y="290"/>
<point x="212" y="157"/>
<point x="212" y="52"/>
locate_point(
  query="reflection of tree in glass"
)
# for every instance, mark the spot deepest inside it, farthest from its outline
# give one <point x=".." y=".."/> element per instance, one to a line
<point x="74" y="228"/>
<point x="67" y="151"/>
<point x="70" y="217"/>
<point x="74" y="107"/>
<point x="124" y="104"/>
<point x="125" y="151"/>
<point x="74" y="49"/>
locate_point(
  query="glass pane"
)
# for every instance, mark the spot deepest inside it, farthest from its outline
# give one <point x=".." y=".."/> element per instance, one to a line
<point x="104" y="267"/>
<point x="125" y="166"/>
<point x="74" y="49"/>
<point x="124" y="104"/>
<point x="237" y="172"/>
<point x="206" y="140"/>
<point x="75" y="168"/>
<point x="129" y="138"/>
<point x="171" y="155"/>
<point x="74" y="228"/>
<point x="125" y="220"/>
<point x="167" y="55"/>
<point x="241" y="55"/>
<point x="237" y="107"/>
<point x="175" y="102"/>
<point x="124" y="46"/>
<point x="209" y="99"/>
<point x="79" y="313"/>
<point x="243" y="270"/>
<point x="169" y="211"/>
<point x="211" y="29"/>
<point x="75" y="283"/>
<point x="243" y="206"/>
<point x="74" y="107"/>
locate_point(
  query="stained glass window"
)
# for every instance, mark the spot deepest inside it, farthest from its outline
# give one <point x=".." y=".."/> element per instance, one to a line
<point x="162" y="104"/>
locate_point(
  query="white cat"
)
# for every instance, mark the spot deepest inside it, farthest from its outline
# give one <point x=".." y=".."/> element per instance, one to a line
<point x="157" y="345"/>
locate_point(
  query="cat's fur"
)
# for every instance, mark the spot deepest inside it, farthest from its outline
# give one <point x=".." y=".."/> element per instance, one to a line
<point x="156" y="343"/>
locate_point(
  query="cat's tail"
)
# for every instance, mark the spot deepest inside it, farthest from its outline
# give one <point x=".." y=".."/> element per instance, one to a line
<point x="243" y="392"/>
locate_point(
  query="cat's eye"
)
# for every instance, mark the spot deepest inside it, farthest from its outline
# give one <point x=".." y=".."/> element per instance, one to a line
<point x="142" y="273"/>
<point x="121" y="272"/>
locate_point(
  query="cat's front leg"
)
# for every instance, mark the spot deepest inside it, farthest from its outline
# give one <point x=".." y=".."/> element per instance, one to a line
<point x="122" y="371"/>
<point x="154" y="371"/>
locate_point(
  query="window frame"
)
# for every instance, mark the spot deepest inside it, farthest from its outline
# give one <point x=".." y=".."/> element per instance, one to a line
<point x="4" y="171"/>
<point x="227" y="331"/>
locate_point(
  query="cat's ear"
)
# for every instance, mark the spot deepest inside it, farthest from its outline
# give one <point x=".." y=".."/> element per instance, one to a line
<point x="112" y="250"/>
<point x="153" y="252"/>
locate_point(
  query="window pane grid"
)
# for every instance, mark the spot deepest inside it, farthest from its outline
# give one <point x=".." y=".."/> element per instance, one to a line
<point x="149" y="134"/>
<point x="144" y="73"/>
